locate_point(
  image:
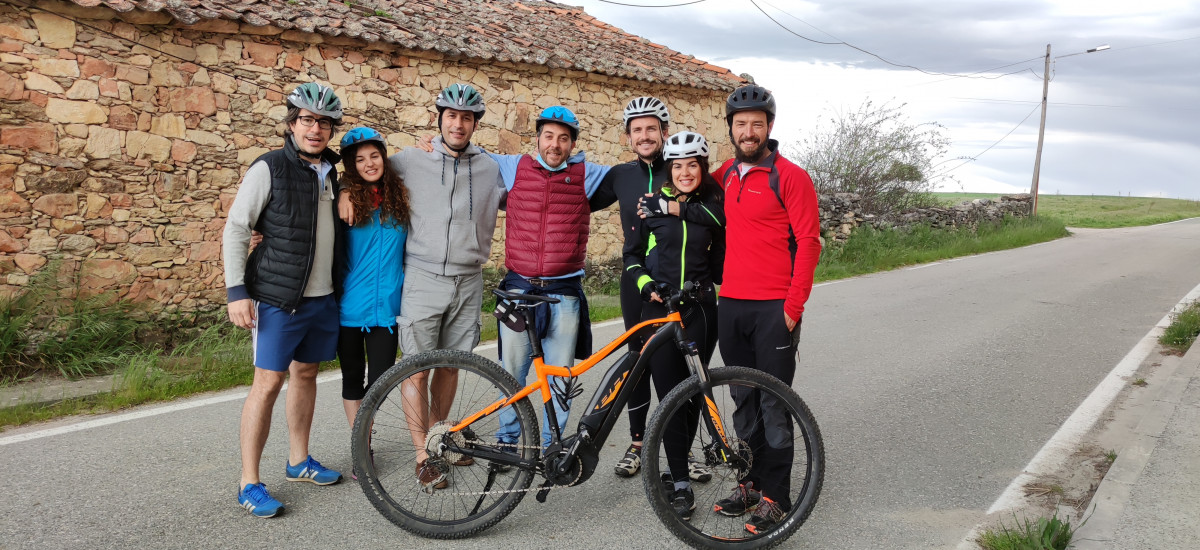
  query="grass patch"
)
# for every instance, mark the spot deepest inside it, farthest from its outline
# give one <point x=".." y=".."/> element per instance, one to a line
<point x="1099" y="211"/>
<point x="870" y="250"/>
<point x="51" y="327"/>
<point x="1042" y="534"/>
<point x="1185" y="325"/>
<point x="217" y="358"/>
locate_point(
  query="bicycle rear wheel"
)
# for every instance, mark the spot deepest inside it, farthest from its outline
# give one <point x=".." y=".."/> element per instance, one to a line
<point x="388" y="434"/>
<point x="787" y="459"/>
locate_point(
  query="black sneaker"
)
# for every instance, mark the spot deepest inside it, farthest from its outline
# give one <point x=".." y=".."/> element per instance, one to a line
<point x="742" y="500"/>
<point x="684" y="502"/>
<point x="668" y="485"/>
<point x="765" y="517"/>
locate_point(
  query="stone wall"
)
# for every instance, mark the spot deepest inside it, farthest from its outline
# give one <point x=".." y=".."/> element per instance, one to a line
<point x="123" y="137"/>
<point x="842" y="213"/>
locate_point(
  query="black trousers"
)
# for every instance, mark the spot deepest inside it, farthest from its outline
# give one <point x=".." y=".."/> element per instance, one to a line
<point x="753" y="334"/>
<point x="365" y="354"/>
<point x="639" y="400"/>
<point x="668" y="368"/>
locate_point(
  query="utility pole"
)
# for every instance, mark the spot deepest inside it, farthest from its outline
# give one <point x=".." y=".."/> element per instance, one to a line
<point x="1037" y="161"/>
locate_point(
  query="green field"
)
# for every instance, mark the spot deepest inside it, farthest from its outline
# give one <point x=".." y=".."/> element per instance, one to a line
<point x="1100" y="211"/>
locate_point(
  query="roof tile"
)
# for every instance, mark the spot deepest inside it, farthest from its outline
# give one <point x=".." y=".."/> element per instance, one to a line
<point x="531" y="31"/>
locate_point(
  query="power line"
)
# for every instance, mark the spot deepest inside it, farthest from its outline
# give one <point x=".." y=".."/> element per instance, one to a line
<point x="872" y="54"/>
<point x="989" y="147"/>
<point x="1027" y="102"/>
<point x="652" y="6"/>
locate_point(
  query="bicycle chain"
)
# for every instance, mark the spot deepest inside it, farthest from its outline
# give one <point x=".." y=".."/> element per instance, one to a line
<point x="505" y="491"/>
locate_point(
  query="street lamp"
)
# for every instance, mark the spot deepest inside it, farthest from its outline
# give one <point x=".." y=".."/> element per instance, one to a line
<point x="1037" y="161"/>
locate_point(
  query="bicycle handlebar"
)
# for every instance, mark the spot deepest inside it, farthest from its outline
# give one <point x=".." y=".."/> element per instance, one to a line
<point x="690" y="290"/>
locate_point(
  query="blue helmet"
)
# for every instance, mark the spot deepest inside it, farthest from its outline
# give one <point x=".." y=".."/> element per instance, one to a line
<point x="361" y="135"/>
<point x="561" y="115"/>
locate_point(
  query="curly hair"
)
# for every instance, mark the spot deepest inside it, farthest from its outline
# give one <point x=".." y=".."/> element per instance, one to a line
<point x="393" y="195"/>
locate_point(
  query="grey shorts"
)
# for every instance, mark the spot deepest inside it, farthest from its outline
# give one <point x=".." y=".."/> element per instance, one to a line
<point x="439" y="311"/>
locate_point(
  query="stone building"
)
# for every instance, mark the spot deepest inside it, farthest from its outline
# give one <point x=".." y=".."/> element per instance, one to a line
<point x="126" y="125"/>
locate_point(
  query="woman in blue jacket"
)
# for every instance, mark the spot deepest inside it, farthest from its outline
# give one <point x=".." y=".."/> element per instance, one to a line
<point x="370" y="269"/>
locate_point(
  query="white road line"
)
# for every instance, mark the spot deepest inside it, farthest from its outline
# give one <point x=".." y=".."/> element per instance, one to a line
<point x="145" y="413"/>
<point x="190" y="404"/>
<point x="1071" y="433"/>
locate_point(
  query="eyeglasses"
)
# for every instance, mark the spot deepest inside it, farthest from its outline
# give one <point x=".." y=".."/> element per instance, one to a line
<point x="307" y="122"/>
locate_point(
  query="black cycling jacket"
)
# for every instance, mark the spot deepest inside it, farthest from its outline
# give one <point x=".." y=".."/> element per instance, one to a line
<point x="675" y="250"/>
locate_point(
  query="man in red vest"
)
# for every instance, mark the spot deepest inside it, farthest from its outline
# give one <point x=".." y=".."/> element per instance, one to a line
<point x="773" y="231"/>
<point x="545" y="244"/>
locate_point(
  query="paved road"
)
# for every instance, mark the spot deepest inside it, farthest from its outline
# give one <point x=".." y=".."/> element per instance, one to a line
<point x="934" y="387"/>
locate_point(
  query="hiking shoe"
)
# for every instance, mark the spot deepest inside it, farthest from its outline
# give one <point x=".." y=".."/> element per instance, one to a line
<point x="684" y="502"/>
<point x="312" y="471"/>
<point x="431" y="477"/>
<point x="698" y="471"/>
<point x="463" y="460"/>
<point x="256" y="500"/>
<point x="743" y="498"/>
<point x="668" y="485"/>
<point x="765" y="517"/>
<point x="629" y="464"/>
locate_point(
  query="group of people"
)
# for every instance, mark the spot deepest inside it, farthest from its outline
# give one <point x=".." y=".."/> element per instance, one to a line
<point x="394" y="252"/>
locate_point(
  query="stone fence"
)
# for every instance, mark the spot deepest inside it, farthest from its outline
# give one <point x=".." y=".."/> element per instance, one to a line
<point x="841" y="214"/>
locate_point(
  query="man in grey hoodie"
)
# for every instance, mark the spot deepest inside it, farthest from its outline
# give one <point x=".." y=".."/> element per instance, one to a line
<point x="455" y="191"/>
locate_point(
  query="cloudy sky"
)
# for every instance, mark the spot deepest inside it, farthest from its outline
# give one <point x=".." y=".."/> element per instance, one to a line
<point x="1124" y="120"/>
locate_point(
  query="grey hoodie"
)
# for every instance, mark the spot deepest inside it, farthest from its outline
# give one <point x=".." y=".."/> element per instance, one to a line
<point x="453" y="203"/>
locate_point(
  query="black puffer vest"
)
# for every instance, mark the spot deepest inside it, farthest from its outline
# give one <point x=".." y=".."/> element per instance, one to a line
<point x="278" y="269"/>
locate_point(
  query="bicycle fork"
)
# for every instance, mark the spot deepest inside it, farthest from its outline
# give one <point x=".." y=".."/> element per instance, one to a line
<point x="720" y="447"/>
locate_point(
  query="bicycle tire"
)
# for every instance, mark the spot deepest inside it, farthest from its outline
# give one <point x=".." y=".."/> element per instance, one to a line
<point x="385" y="455"/>
<point x="707" y="529"/>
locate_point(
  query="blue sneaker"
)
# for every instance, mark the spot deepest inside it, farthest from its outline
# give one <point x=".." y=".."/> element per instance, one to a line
<point x="256" y="500"/>
<point x="312" y="471"/>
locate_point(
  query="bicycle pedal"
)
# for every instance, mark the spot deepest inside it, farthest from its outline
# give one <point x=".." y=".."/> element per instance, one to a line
<point x="544" y="491"/>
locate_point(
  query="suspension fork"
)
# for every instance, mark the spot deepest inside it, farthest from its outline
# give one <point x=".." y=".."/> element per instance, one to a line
<point x="712" y="416"/>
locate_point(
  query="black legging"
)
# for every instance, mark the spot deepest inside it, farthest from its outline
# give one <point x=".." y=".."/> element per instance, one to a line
<point x="359" y="348"/>
<point x="668" y="369"/>
<point x="639" y="400"/>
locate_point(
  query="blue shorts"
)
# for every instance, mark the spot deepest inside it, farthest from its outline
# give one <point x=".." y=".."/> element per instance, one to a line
<point x="309" y="336"/>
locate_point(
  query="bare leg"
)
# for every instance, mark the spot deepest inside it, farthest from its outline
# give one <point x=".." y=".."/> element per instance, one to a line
<point x="442" y="388"/>
<point x="256" y="420"/>
<point x="351" y="409"/>
<point x="301" y="400"/>
<point x="415" y="396"/>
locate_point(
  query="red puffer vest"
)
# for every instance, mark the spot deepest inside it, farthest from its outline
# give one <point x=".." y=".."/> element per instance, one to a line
<point x="546" y="228"/>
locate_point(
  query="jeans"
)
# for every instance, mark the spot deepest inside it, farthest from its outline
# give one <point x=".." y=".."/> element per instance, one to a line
<point x="558" y="349"/>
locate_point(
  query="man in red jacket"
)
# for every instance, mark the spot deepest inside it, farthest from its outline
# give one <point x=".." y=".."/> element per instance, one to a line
<point x="773" y="230"/>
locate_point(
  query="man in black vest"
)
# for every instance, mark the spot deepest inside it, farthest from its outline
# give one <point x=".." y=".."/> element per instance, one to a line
<point x="283" y="291"/>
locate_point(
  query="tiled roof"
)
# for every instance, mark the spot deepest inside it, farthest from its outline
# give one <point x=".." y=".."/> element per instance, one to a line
<point x="523" y="31"/>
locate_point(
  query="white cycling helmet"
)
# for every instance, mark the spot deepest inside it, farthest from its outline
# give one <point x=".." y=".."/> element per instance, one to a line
<point x="684" y="145"/>
<point x="646" y="106"/>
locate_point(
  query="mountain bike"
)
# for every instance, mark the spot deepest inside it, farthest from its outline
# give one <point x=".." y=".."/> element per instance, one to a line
<point x="485" y="478"/>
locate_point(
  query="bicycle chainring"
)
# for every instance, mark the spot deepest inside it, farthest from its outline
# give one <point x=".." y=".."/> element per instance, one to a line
<point x="554" y="458"/>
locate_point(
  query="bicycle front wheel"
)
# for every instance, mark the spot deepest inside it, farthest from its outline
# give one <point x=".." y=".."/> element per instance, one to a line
<point x="765" y="423"/>
<point x="402" y="432"/>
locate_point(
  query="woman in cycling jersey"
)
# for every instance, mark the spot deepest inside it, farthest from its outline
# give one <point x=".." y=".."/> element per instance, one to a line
<point x="665" y="253"/>
<point x="370" y="264"/>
